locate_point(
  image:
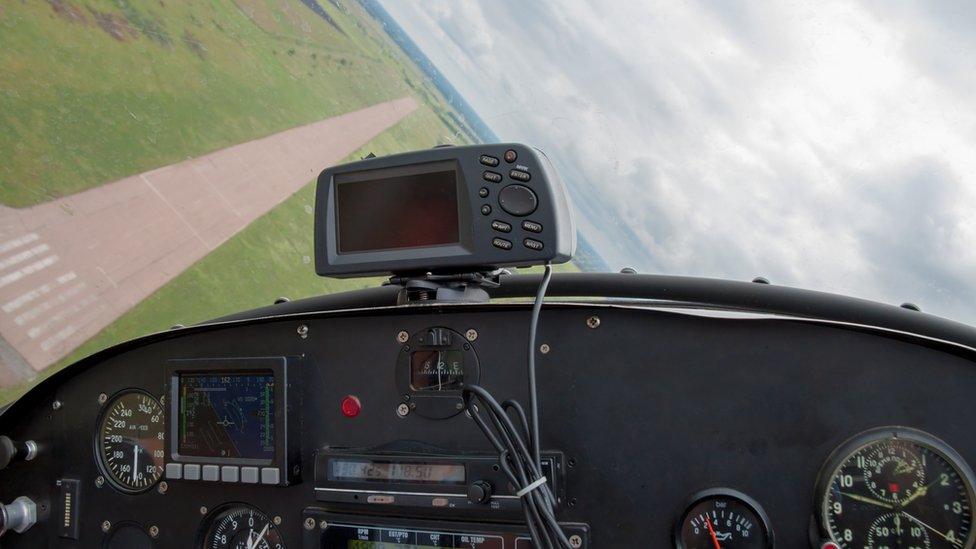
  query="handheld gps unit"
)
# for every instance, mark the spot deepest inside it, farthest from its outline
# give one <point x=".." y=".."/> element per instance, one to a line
<point x="443" y="210"/>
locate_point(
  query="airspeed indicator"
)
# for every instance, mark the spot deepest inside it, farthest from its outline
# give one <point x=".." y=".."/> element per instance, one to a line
<point x="129" y="443"/>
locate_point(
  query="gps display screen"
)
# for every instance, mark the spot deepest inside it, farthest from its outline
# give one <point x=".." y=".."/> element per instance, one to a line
<point x="405" y="211"/>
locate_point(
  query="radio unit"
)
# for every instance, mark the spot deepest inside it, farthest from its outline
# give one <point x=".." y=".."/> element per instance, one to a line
<point x="444" y="210"/>
<point x="428" y="484"/>
<point x="232" y="420"/>
<point x="357" y="532"/>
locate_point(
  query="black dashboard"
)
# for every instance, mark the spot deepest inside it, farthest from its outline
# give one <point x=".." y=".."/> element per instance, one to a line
<point x="336" y="422"/>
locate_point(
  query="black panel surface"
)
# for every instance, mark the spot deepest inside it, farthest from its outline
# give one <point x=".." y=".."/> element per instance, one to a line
<point x="648" y="408"/>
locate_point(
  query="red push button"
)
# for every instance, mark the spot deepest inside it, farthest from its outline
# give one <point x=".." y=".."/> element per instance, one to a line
<point x="351" y="406"/>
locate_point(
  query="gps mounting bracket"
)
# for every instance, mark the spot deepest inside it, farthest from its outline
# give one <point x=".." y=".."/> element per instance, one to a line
<point x="458" y="287"/>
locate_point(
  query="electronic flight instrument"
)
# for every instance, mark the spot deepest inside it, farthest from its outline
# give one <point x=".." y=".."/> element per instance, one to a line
<point x="459" y="405"/>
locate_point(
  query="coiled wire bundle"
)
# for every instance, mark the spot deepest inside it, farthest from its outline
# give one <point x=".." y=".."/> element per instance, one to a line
<point x="517" y="442"/>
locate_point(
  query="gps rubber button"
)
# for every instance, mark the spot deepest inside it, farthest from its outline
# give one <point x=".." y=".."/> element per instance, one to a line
<point x="501" y="243"/>
<point x="519" y="175"/>
<point x="518" y="200"/>
<point x="501" y="226"/>
<point x="532" y="244"/>
<point x="532" y="226"/>
<point x="488" y="160"/>
<point x="493" y="177"/>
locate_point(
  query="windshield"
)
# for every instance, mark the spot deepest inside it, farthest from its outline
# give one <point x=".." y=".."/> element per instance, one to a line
<point x="157" y="158"/>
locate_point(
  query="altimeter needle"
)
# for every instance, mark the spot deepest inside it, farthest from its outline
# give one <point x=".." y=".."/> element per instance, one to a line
<point x="711" y="532"/>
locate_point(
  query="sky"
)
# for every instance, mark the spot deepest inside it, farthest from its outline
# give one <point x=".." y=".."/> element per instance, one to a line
<point x="822" y="145"/>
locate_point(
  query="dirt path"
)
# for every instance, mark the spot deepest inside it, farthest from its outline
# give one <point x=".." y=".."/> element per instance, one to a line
<point x="70" y="267"/>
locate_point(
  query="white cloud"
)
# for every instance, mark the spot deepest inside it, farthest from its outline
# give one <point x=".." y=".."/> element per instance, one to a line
<point x="824" y="145"/>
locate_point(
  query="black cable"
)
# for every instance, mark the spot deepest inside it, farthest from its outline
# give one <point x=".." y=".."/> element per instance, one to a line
<point x="533" y="328"/>
<point x="518" y="442"/>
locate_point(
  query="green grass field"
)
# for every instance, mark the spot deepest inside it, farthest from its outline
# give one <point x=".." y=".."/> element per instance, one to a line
<point x="95" y="90"/>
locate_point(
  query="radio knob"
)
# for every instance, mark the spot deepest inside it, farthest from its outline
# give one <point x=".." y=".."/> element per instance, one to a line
<point x="479" y="492"/>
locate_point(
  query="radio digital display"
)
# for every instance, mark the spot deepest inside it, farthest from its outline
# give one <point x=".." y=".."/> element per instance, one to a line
<point x="230" y="415"/>
<point x="406" y="211"/>
<point x="436" y="370"/>
<point x="348" y="536"/>
<point x="359" y="470"/>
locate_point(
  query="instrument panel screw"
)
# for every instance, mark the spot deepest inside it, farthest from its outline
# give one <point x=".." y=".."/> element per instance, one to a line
<point x="544" y="348"/>
<point x="403" y="336"/>
<point x="309" y="523"/>
<point x="593" y="322"/>
<point x="323" y="525"/>
<point x="56" y="405"/>
<point x="471" y="334"/>
<point x="102" y="398"/>
<point x="575" y="540"/>
<point x="303" y="331"/>
<point x="154" y="531"/>
<point x="203" y="510"/>
<point x="277" y="520"/>
<point x="403" y="410"/>
<point x="163" y="487"/>
<point x="99" y="481"/>
<point x="106" y="526"/>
